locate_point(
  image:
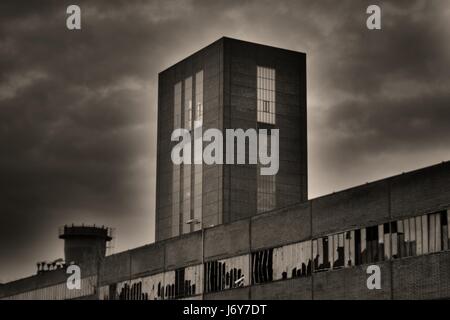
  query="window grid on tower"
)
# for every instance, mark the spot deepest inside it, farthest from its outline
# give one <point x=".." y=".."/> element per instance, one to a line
<point x="188" y="103"/>
<point x="198" y="166"/>
<point x="266" y="184"/>
<point x="266" y="95"/>
<point x="187" y="168"/>
<point x="199" y="97"/>
<point x="176" y="169"/>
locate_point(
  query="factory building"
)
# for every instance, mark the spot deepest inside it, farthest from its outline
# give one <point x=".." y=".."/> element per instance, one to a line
<point x="224" y="231"/>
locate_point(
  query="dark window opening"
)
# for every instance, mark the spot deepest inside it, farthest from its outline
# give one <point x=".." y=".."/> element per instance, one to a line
<point x="217" y="278"/>
<point x="358" y="256"/>
<point x="262" y="266"/>
<point x="133" y="292"/>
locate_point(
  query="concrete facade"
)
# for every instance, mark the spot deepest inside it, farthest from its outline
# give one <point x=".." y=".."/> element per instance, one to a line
<point x="229" y="68"/>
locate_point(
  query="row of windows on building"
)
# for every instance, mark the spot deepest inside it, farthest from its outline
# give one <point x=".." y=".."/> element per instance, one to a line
<point x="266" y="104"/>
<point x="181" y="286"/>
<point x="187" y="183"/>
<point x="392" y="240"/>
<point x="266" y="111"/>
<point x="177" y="284"/>
<point x="187" y="186"/>
<point x="266" y="199"/>
<point x="266" y="107"/>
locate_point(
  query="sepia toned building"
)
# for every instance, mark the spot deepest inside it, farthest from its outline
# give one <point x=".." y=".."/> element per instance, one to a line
<point x="230" y="84"/>
<point x="226" y="232"/>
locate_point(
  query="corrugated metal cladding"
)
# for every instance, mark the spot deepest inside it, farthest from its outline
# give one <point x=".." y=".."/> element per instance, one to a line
<point x="59" y="291"/>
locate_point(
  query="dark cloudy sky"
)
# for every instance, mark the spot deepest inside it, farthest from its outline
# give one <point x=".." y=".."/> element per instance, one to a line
<point x="78" y="108"/>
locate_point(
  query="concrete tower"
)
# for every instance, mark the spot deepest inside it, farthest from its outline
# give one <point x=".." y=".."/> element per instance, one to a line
<point x="84" y="243"/>
<point x="230" y="84"/>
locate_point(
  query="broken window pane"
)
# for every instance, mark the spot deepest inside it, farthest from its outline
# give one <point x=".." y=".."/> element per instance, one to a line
<point x="419" y="241"/>
<point x="432" y="232"/>
<point x="412" y="237"/>
<point x="394" y="240"/>
<point x="381" y="244"/>
<point x="349" y="248"/>
<point x="322" y="260"/>
<point x="371" y="253"/>
<point x="292" y="260"/>
<point x="445" y="231"/>
<point x="227" y="273"/>
<point x="387" y="241"/>
<point x="153" y="286"/>
<point x="401" y="239"/>
<point x="315" y="253"/>
<point x="438" y="238"/>
<point x="338" y="246"/>
<point x="425" y="239"/>
<point x="330" y="250"/>
<point x="181" y="283"/>
<point x="262" y="266"/>
<point x="407" y="237"/>
<point x="358" y="256"/>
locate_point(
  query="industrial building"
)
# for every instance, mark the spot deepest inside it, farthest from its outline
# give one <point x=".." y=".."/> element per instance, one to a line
<point x="226" y="232"/>
<point x="230" y="84"/>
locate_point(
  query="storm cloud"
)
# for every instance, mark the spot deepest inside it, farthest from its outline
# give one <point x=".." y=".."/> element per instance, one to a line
<point x="78" y="108"/>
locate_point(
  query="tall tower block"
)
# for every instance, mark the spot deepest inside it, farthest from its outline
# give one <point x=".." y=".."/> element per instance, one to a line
<point x="230" y="84"/>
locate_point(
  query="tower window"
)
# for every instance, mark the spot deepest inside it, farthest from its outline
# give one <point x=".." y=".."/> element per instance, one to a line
<point x="266" y="95"/>
<point x="266" y="107"/>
